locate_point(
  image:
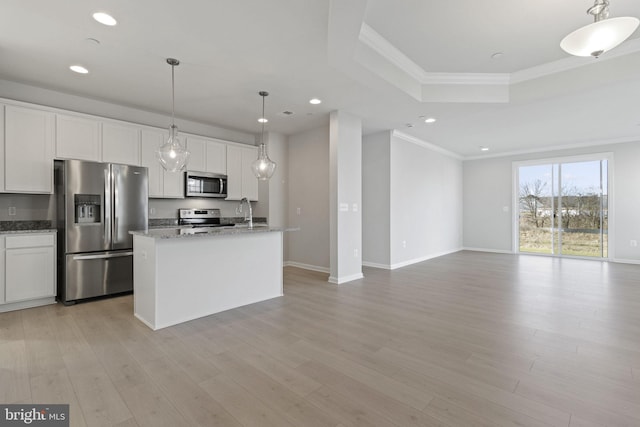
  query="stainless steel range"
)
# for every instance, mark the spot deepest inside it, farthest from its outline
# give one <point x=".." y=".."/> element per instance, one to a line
<point x="200" y="218"/>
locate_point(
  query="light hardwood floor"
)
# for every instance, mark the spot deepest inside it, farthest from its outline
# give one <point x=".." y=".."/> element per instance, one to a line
<point x="468" y="339"/>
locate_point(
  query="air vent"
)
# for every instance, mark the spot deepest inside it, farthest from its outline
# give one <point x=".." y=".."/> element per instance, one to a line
<point x="287" y="113"/>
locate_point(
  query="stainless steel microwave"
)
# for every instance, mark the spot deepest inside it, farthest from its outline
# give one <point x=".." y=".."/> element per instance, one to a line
<point x="201" y="184"/>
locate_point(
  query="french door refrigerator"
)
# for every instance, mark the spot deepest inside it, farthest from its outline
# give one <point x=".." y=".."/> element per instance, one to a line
<point x="97" y="205"/>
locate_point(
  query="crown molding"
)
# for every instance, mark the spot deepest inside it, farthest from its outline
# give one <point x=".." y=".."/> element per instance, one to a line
<point x="383" y="47"/>
<point x="425" y="144"/>
<point x="572" y="62"/>
<point x="593" y="143"/>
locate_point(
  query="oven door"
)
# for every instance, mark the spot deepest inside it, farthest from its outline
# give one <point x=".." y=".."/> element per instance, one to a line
<point x="205" y="185"/>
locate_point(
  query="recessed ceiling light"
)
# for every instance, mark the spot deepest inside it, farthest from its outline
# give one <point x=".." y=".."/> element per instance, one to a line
<point x="79" y="69"/>
<point x="315" y="101"/>
<point x="105" y="19"/>
<point x="484" y="148"/>
<point x="430" y="120"/>
<point x="263" y="120"/>
<point x="497" y="55"/>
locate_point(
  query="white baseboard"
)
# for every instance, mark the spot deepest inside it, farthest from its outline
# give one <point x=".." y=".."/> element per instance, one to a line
<point x="626" y="261"/>
<point x="345" y="279"/>
<point x="421" y="259"/>
<point x="376" y="265"/>
<point x="495" y="251"/>
<point x="26" y="304"/>
<point x="305" y="266"/>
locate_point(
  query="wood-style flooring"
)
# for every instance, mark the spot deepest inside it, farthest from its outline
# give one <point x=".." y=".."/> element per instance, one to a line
<point x="468" y="339"/>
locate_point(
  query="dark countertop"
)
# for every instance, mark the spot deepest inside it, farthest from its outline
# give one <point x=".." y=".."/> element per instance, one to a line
<point x="40" y="226"/>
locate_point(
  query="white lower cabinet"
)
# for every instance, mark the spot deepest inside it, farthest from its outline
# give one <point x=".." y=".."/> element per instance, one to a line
<point x="29" y="272"/>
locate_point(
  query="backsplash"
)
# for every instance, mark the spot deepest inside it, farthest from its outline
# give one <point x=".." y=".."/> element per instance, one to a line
<point x="168" y="208"/>
<point x="27" y="207"/>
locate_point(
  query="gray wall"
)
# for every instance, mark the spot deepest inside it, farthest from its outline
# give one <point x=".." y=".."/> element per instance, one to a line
<point x="425" y="201"/>
<point x="309" y="191"/>
<point x="376" y="190"/>
<point x="29" y="207"/>
<point x="412" y="202"/>
<point x="488" y="189"/>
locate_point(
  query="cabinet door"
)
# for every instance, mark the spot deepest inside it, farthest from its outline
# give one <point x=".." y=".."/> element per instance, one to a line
<point x="28" y="150"/>
<point x="77" y="138"/>
<point x="121" y="144"/>
<point x="2" y="270"/>
<point x="249" y="180"/>
<point x="150" y="141"/>
<point x="198" y="149"/>
<point x="23" y="281"/>
<point x="216" y="155"/>
<point x="234" y="173"/>
<point x="173" y="185"/>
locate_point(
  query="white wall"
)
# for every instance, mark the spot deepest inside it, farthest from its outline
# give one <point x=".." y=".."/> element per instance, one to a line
<point x="488" y="188"/>
<point x="376" y="190"/>
<point x="425" y="202"/>
<point x="345" y="192"/>
<point x="309" y="191"/>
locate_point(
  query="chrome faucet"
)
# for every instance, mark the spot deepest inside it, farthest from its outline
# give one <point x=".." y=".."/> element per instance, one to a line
<point x="250" y="219"/>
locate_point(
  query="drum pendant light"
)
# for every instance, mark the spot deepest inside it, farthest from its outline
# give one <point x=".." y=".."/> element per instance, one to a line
<point x="172" y="155"/>
<point x="263" y="167"/>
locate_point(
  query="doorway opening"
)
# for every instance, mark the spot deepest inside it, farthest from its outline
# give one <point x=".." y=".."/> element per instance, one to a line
<point x="562" y="207"/>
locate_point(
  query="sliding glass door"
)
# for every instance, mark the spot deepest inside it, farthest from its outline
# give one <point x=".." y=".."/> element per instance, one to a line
<point x="563" y="208"/>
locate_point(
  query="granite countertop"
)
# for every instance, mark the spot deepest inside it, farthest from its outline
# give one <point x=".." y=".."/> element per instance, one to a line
<point x="190" y="232"/>
<point x="17" y="227"/>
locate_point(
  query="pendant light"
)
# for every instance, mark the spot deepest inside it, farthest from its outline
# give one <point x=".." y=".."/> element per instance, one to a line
<point x="172" y="155"/>
<point x="263" y="167"/>
<point x="600" y="36"/>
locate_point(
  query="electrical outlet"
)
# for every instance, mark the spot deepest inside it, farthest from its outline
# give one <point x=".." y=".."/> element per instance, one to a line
<point x="404" y="243"/>
<point x="633" y="243"/>
<point x="298" y="211"/>
<point x="12" y="210"/>
<point x="355" y="253"/>
<point x="152" y="211"/>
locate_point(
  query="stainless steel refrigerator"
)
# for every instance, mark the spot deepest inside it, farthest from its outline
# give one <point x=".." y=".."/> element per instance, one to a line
<point x="97" y="205"/>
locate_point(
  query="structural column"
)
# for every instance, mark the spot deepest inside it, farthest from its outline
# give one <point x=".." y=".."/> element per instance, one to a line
<point x="345" y="180"/>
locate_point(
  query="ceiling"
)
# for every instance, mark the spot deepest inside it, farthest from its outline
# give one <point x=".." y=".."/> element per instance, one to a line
<point x="386" y="61"/>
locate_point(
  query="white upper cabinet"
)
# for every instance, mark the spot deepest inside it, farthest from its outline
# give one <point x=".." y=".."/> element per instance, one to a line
<point x="121" y="143"/>
<point x="28" y="150"/>
<point x="77" y="138"/>
<point x="240" y="179"/>
<point x="162" y="184"/>
<point x="207" y="155"/>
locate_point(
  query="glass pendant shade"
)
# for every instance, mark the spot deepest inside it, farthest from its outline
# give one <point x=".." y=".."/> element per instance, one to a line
<point x="263" y="167"/>
<point x="599" y="37"/>
<point x="172" y="155"/>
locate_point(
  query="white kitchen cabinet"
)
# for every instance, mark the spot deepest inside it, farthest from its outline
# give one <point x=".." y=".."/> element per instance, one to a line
<point x="240" y="179"/>
<point x="120" y="143"/>
<point x="77" y="138"/>
<point x="28" y="150"/>
<point x="2" y="270"/>
<point x="30" y="267"/>
<point x="162" y="184"/>
<point x="207" y="155"/>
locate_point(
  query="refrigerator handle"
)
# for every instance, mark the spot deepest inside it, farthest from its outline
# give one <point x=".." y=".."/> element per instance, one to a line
<point x="114" y="229"/>
<point x="107" y="206"/>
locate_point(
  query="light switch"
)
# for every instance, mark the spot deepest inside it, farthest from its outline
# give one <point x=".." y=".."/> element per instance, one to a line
<point x="298" y="211"/>
<point x="354" y="207"/>
<point x="344" y="207"/>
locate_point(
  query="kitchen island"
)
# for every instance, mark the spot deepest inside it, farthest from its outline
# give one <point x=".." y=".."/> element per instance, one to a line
<point x="181" y="274"/>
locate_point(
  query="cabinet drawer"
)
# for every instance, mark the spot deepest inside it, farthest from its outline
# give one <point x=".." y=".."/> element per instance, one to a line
<point x="14" y="242"/>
